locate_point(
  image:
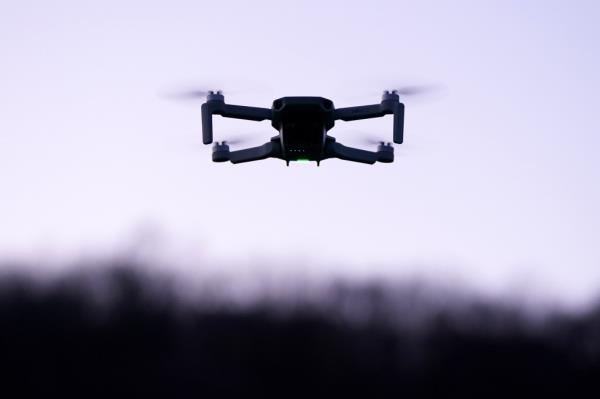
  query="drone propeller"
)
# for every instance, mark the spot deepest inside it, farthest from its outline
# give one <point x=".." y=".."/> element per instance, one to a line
<point x="196" y="145"/>
<point x="235" y="141"/>
<point x="414" y="93"/>
<point x="373" y="141"/>
<point x="194" y="94"/>
<point x="360" y="137"/>
<point x="414" y="90"/>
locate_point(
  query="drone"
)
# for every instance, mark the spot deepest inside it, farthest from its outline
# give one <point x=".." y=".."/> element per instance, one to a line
<point x="303" y="124"/>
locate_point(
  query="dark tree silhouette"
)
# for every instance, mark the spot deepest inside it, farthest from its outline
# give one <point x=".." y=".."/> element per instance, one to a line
<point x="121" y="331"/>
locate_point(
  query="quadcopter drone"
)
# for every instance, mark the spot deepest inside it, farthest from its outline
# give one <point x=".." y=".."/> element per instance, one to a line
<point x="302" y="123"/>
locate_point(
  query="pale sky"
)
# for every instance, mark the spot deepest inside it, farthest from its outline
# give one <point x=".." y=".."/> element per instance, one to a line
<point x="497" y="181"/>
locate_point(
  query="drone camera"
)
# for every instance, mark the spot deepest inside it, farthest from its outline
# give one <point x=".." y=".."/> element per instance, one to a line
<point x="277" y="104"/>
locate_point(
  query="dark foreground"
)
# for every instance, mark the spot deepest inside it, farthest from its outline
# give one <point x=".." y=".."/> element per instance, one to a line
<point x="135" y="336"/>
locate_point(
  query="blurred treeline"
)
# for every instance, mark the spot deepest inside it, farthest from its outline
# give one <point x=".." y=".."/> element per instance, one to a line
<point x="115" y="330"/>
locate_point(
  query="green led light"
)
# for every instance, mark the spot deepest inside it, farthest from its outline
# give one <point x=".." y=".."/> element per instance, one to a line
<point x="302" y="160"/>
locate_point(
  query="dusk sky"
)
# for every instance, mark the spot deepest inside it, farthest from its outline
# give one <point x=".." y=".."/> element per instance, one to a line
<point x="496" y="182"/>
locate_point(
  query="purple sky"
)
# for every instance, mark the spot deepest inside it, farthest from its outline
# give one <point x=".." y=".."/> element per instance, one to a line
<point x="497" y="182"/>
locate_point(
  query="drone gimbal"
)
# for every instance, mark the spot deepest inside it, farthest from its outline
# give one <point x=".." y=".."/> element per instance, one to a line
<point x="302" y="123"/>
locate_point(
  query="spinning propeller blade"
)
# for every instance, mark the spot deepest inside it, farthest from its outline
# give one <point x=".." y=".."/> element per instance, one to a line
<point x="194" y="94"/>
<point x="373" y="141"/>
<point x="235" y="140"/>
<point x="414" y="90"/>
<point x="364" y="138"/>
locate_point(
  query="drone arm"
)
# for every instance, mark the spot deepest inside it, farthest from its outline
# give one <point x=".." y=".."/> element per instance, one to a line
<point x="386" y="107"/>
<point x="211" y="108"/>
<point x="360" y="112"/>
<point x="244" y="112"/>
<point x="268" y="150"/>
<point x="336" y="150"/>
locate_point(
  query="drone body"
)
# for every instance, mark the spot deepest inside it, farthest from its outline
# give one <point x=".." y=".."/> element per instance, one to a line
<point x="302" y="123"/>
